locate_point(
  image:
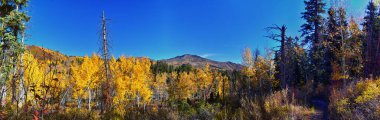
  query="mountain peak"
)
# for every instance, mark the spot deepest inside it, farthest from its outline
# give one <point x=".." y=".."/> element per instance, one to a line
<point x="198" y="61"/>
<point x="188" y="56"/>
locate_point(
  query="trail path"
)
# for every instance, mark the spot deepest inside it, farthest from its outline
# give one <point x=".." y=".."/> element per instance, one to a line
<point x="322" y="110"/>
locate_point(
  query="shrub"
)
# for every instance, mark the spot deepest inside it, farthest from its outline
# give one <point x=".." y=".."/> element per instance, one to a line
<point x="359" y="100"/>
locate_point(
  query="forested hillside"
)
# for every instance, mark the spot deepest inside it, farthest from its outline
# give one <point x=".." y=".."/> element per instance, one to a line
<point x="329" y="71"/>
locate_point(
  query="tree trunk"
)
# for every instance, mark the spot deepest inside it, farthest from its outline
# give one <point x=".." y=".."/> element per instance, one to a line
<point x="3" y="94"/>
<point x="22" y="93"/>
<point x="107" y="85"/>
<point x="283" y="58"/>
<point x="79" y="102"/>
<point x="89" y="100"/>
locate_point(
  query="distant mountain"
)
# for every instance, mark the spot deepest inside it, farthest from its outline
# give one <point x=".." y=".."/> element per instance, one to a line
<point x="198" y="61"/>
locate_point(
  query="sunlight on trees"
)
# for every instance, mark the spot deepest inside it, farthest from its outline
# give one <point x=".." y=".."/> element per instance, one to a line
<point x="330" y="71"/>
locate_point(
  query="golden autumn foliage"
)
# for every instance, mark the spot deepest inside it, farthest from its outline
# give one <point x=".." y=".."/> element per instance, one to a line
<point x="259" y="70"/>
<point x="185" y="85"/>
<point x="172" y="85"/>
<point x="140" y="76"/>
<point x="367" y="91"/>
<point x="336" y="75"/>
<point x="328" y="71"/>
<point x="203" y="80"/>
<point x="356" y="100"/>
<point x="76" y="83"/>
<point x="122" y="81"/>
<point x="33" y="75"/>
<point x="160" y="86"/>
<point x="132" y="83"/>
<point x="222" y="84"/>
<point x="84" y="77"/>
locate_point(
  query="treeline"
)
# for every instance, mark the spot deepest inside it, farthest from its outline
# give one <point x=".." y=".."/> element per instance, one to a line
<point x="139" y="85"/>
<point x="71" y="88"/>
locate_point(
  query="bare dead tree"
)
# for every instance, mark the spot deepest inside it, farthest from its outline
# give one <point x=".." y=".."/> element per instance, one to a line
<point x="107" y="85"/>
<point x="281" y="37"/>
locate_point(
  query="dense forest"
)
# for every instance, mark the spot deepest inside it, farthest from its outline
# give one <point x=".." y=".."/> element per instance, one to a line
<point x="329" y="71"/>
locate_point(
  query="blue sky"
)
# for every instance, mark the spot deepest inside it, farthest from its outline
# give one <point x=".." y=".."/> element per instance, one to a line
<point x="159" y="29"/>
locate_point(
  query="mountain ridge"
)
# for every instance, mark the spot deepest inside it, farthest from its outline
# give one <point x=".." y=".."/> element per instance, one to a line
<point x="198" y="61"/>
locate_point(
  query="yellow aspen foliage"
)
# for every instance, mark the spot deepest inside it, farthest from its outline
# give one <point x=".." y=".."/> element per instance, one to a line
<point x="141" y="77"/>
<point x="160" y="85"/>
<point x="222" y="84"/>
<point x="172" y="85"/>
<point x="185" y="85"/>
<point x="132" y="80"/>
<point x="57" y="79"/>
<point x="113" y="65"/>
<point x="96" y="60"/>
<point x="199" y="76"/>
<point x="248" y="62"/>
<point x="49" y="80"/>
<point x="264" y="67"/>
<point x="337" y="74"/>
<point x="207" y="78"/>
<point x="341" y="105"/>
<point x="63" y="81"/>
<point x="203" y="81"/>
<point x="85" y="77"/>
<point x="122" y="80"/>
<point x="33" y="76"/>
<point x="121" y="74"/>
<point x="259" y="70"/>
<point x="78" y="81"/>
<point x="367" y="91"/>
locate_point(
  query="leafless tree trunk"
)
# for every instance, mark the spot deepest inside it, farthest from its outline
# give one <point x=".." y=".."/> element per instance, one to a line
<point x="343" y="52"/>
<point x="89" y="99"/>
<point x="283" y="51"/>
<point x="22" y="93"/>
<point x="107" y="85"/>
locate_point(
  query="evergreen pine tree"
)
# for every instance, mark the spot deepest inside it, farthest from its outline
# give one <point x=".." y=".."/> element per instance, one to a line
<point x="312" y="32"/>
<point x="370" y="27"/>
<point x="12" y="27"/>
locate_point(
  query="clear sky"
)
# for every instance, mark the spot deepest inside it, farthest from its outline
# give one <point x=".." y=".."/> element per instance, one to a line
<point x="159" y="29"/>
